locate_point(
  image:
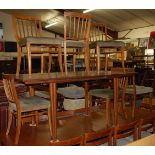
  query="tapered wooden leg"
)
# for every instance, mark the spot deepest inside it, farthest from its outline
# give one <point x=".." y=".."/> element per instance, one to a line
<point x="65" y="58"/>
<point x="98" y="58"/>
<point x="49" y="62"/>
<point x="29" y="58"/>
<point x="133" y="105"/>
<point x="107" y="111"/>
<point x="18" y="60"/>
<point x="60" y="58"/>
<point x="150" y="101"/>
<point x="49" y="120"/>
<point x="42" y="63"/>
<point x="74" y="62"/>
<point x="18" y="128"/>
<point x="123" y="105"/>
<point x="90" y="103"/>
<point x="53" y="100"/>
<point x="86" y="97"/>
<point x="9" y="122"/>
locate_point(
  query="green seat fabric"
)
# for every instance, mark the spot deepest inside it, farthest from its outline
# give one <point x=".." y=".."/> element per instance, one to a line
<point x="139" y="90"/>
<point x="74" y="44"/>
<point x="40" y="41"/>
<point x="73" y="92"/>
<point x="106" y="44"/>
<point x="31" y="104"/>
<point x="102" y="93"/>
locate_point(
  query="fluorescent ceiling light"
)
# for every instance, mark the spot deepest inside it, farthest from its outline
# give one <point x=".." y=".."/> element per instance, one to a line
<point x="51" y="24"/>
<point x="85" y="11"/>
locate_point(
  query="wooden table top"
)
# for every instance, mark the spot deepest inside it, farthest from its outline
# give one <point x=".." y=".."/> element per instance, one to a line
<point x="147" y="141"/>
<point x="59" y="77"/>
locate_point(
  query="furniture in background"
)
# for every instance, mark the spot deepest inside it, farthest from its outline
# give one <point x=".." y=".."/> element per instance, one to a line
<point x="146" y="124"/>
<point x="98" y="137"/>
<point x="54" y="78"/>
<point x="28" y="31"/>
<point x="76" y="37"/>
<point x="104" y="45"/>
<point x="125" y="131"/>
<point x="106" y="96"/>
<point x="23" y="107"/>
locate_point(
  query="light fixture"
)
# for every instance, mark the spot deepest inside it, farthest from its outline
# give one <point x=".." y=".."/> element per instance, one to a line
<point x="88" y="10"/>
<point x="51" y="24"/>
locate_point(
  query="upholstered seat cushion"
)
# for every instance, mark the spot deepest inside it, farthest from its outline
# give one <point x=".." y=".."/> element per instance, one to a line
<point x="102" y="93"/>
<point x="31" y="104"/>
<point x="43" y="94"/>
<point x="73" y="92"/>
<point x="107" y="44"/>
<point x="73" y="43"/>
<point x="139" y="90"/>
<point x="40" y="41"/>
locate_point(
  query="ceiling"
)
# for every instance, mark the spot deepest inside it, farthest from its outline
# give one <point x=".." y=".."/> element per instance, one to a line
<point x="116" y="19"/>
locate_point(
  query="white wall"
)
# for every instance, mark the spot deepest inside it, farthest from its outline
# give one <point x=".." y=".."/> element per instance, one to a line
<point x="8" y="33"/>
<point x="6" y="20"/>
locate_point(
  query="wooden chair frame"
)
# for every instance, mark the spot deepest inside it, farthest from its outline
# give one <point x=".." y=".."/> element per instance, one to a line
<point x="10" y="90"/>
<point x="98" y="137"/>
<point x="30" y="26"/>
<point x="76" y="28"/>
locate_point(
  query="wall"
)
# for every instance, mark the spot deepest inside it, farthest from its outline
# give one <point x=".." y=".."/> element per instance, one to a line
<point x="8" y="33"/>
<point x="6" y="20"/>
<point x="137" y="33"/>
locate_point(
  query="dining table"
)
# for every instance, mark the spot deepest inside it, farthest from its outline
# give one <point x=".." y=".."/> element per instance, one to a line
<point x="62" y="77"/>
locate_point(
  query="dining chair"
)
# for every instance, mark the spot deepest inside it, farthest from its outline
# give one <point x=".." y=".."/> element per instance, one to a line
<point x="76" y="37"/>
<point x="136" y="93"/>
<point x="76" y="141"/>
<point x="125" y="130"/>
<point x="145" y="125"/>
<point x="32" y="43"/>
<point x="104" y="45"/>
<point x="23" y="107"/>
<point x="106" y="97"/>
<point x="98" y="137"/>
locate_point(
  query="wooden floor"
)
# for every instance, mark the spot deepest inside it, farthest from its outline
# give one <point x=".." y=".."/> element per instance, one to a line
<point x="68" y="127"/>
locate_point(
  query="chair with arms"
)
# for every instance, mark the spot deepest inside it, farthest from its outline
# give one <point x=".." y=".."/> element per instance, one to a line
<point x="98" y="137"/>
<point x="76" y="37"/>
<point x="23" y="107"/>
<point x="28" y="33"/>
<point x="76" y="141"/>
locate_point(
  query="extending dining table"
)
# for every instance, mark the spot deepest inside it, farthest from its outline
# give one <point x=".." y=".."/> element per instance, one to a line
<point x="84" y="76"/>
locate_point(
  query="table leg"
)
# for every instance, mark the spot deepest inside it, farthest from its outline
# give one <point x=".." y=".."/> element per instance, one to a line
<point x="116" y="101"/>
<point x="53" y="99"/>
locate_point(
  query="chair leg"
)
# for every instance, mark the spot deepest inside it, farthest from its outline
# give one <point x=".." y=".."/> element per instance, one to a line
<point x="60" y="58"/>
<point x="107" y="112"/>
<point x="37" y="118"/>
<point x="49" y="119"/>
<point x="18" y="60"/>
<point x="18" y="128"/>
<point x="9" y="122"/>
<point x="123" y="106"/>
<point x="49" y="62"/>
<point x="133" y="106"/>
<point x="90" y="103"/>
<point x="150" y="101"/>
